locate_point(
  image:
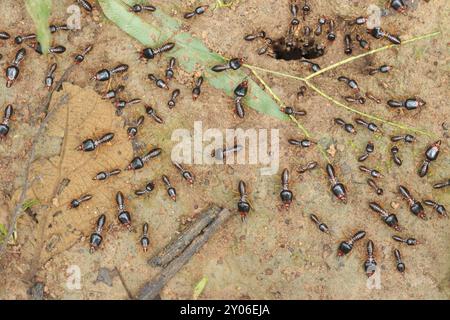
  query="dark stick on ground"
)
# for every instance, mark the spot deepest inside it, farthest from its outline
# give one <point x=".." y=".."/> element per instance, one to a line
<point x="172" y="250"/>
<point x="152" y="289"/>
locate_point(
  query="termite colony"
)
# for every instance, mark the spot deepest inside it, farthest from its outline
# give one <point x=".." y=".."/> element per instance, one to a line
<point x="301" y="43"/>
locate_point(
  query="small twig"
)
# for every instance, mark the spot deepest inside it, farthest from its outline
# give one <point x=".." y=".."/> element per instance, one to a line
<point x="345" y="61"/>
<point x="152" y="289"/>
<point x="376" y="118"/>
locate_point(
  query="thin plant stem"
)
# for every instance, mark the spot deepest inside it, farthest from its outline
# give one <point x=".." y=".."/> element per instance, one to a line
<point x="293" y="119"/>
<point x="345" y="61"/>
<point x="376" y="118"/>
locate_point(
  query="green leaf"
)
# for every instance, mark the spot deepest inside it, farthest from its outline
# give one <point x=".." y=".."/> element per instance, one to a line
<point x="39" y="10"/>
<point x="200" y="287"/>
<point x="29" y="203"/>
<point x="190" y="52"/>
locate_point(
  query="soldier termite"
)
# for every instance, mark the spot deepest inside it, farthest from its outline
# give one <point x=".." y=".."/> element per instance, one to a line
<point x="184" y="173"/>
<point x="75" y="203"/>
<point x="124" y="216"/>
<point x="170" y="189"/>
<point x="346" y="246"/>
<point x="92" y="144"/>
<point x="139" y="162"/>
<point x="322" y="226"/>
<point x="286" y="195"/>
<point x="96" y="238"/>
<point x="145" y="241"/>
<point x="243" y="204"/>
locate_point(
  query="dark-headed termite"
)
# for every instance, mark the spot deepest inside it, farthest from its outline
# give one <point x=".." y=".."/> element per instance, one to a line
<point x="398" y="259"/>
<point x="79" y="58"/>
<point x="398" y="5"/>
<point x="96" y="238"/>
<point x="370" y="96"/>
<point x="12" y="72"/>
<point x="389" y="218"/>
<point x="369" y="125"/>
<point x="4" y="35"/>
<point x="406" y="138"/>
<point x="103" y="175"/>
<point x="408" y="241"/>
<point x="307" y="167"/>
<point x="160" y="83"/>
<point x="292" y="112"/>
<point x="121" y="104"/>
<point x="4" y="125"/>
<point x="286" y="195"/>
<point x="197" y="11"/>
<point x="369" y="149"/>
<point x="251" y="37"/>
<point x="197" y="90"/>
<point x="293" y="8"/>
<point x="395" y="157"/>
<point x="374" y="186"/>
<point x="169" y="70"/>
<point x="379" y="33"/>
<point x="75" y="203"/>
<point x="358" y="98"/>
<point x="55" y="28"/>
<point x="348" y="44"/>
<point x="243" y="204"/>
<point x="331" y="35"/>
<point x="92" y="144"/>
<point x="145" y="241"/>
<point x="150" y="53"/>
<point x="133" y="130"/>
<point x="350" y="82"/>
<point x="370" y="265"/>
<point x="304" y="143"/>
<point x="320" y="23"/>
<point x="442" y="184"/>
<point x="123" y="216"/>
<point x="439" y="208"/>
<point x="337" y="188"/>
<point x="322" y="226"/>
<point x="408" y="104"/>
<point x="173" y="98"/>
<point x="240" y="92"/>
<point x="415" y="207"/>
<point x="137" y="8"/>
<point x="149" y="187"/>
<point x="232" y="64"/>
<point x="111" y="94"/>
<point x="184" y="173"/>
<point x="347" y="126"/>
<point x="170" y="189"/>
<point x="431" y="154"/>
<point x="381" y="69"/>
<point x="138" y="162"/>
<point x="104" y="74"/>
<point x="150" y="111"/>
<point x="363" y="43"/>
<point x="20" y="39"/>
<point x="374" y="173"/>
<point x="314" y="66"/>
<point x="306" y="9"/>
<point x="85" y="4"/>
<point x="49" y="79"/>
<point x="223" y="153"/>
<point x="56" y="49"/>
<point x="346" y="246"/>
